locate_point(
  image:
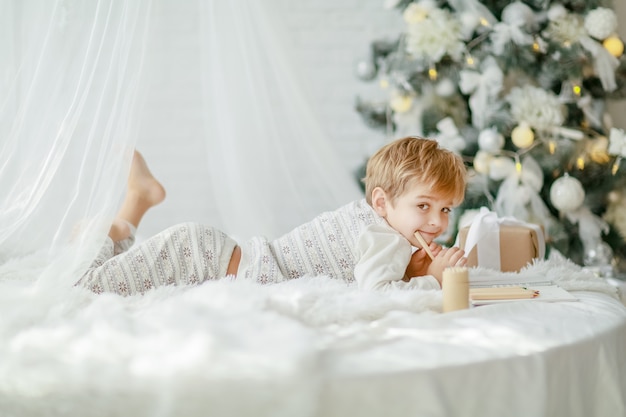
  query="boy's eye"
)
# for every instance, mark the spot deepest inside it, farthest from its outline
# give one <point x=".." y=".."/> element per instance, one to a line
<point x="423" y="206"/>
<point x="446" y="210"/>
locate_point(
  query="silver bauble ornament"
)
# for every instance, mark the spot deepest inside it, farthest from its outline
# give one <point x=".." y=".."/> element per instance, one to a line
<point x="518" y="13"/>
<point x="365" y="70"/>
<point x="600" y="260"/>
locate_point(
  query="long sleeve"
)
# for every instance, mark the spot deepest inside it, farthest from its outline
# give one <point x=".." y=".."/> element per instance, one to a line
<point x="382" y="257"/>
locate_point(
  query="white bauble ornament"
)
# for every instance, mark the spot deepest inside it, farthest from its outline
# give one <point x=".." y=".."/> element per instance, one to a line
<point x="500" y="168"/>
<point x="522" y="136"/>
<point x="518" y="13"/>
<point x="445" y="88"/>
<point x="490" y="140"/>
<point x="557" y="11"/>
<point x="601" y="23"/>
<point x="567" y="194"/>
<point x="481" y="162"/>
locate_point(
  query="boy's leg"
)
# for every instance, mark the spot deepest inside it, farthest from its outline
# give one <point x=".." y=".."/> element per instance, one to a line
<point x="181" y="255"/>
<point x="185" y="254"/>
<point x="143" y="192"/>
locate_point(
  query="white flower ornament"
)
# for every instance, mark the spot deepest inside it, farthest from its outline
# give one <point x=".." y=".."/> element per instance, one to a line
<point x="483" y="87"/>
<point x="449" y="136"/>
<point x="516" y="16"/>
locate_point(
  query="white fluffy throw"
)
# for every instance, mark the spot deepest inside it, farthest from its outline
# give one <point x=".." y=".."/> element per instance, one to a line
<point x="231" y="348"/>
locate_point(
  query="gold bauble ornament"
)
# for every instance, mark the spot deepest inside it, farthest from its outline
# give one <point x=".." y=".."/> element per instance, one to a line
<point x="597" y="150"/>
<point x="522" y="136"/>
<point x="614" y="45"/>
<point x="481" y="162"/>
<point x="400" y="103"/>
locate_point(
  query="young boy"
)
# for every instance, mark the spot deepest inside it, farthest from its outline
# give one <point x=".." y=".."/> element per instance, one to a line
<point x="411" y="185"/>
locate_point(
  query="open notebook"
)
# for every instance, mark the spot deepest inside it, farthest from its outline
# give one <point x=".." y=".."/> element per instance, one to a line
<point x="490" y="290"/>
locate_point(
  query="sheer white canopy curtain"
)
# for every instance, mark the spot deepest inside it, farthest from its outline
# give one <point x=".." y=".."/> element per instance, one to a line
<point x="72" y="88"/>
<point x="71" y="78"/>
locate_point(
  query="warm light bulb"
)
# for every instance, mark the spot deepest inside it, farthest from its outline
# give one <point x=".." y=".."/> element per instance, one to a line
<point x="614" y="45"/>
<point x="616" y="166"/>
<point x="470" y="60"/>
<point x="576" y="89"/>
<point x="432" y="74"/>
<point x="580" y="163"/>
<point x="522" y="136"/>
<point x="552" y="147"/>
<point x="484" y="22"/>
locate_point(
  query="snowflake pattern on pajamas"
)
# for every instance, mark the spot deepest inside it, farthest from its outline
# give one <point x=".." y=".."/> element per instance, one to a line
<point x="185" y="254"/>
<point x="324" y="246"/>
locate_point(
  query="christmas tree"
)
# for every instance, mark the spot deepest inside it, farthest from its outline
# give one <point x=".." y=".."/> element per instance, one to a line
<point x="519" y="89"/>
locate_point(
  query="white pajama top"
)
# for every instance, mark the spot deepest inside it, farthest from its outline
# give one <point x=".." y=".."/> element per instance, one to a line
<point x="352" y="243"/>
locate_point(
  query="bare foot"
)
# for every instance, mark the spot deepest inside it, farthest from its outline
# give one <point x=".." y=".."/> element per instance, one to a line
<point x="143" y="192"/>
<point x="142" y="183"/>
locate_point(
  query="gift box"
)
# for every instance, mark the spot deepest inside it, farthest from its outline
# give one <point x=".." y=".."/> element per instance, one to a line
<point x="503" y="244"/>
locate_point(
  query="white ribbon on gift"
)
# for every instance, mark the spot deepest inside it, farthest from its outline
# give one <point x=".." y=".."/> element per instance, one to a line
<point x="484" y="234"/>
<point x="482" y="86"/>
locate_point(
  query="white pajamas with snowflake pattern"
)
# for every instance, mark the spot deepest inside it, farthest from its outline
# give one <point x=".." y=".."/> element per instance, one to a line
<point x="352" y="243"/>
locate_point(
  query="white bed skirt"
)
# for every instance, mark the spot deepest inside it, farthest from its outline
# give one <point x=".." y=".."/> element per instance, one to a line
<point x="312" y="347"/>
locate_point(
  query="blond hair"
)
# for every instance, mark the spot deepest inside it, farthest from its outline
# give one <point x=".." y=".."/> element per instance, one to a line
<point x="405" y="161"/>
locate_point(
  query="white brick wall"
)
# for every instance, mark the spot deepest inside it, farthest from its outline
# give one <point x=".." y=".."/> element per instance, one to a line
<point x="327" y="37"/>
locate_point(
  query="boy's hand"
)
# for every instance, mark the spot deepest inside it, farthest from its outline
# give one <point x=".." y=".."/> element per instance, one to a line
<point x="420" y="261"/>
<point x="444" y="258"/>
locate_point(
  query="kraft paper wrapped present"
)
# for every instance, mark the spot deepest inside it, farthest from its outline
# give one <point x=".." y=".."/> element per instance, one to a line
<point x="501" y="243"/>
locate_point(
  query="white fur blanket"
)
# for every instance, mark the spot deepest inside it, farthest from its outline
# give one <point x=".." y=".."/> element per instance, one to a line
<point x="300" y="348"/>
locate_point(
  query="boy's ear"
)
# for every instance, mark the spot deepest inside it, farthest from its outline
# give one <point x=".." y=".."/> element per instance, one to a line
<point x="379" y="201"/>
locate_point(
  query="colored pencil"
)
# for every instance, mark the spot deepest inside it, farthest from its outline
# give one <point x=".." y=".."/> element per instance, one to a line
<point x="422" y="242"/>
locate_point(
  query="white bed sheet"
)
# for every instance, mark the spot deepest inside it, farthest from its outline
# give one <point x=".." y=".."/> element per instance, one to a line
<point x="312" y="347"/>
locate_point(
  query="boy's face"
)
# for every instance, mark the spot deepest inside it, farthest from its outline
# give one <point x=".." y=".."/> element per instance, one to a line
<point x="418" y="209"/>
